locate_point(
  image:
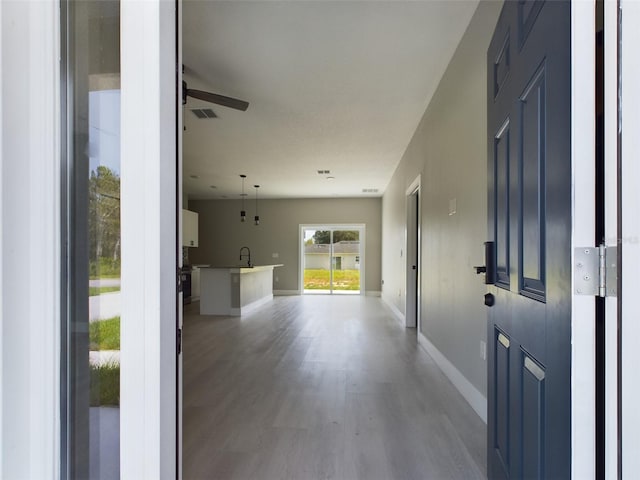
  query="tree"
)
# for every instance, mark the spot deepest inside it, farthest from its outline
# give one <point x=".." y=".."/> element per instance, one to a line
<point x="104" y="215"/>
<point x="322" y="237"/>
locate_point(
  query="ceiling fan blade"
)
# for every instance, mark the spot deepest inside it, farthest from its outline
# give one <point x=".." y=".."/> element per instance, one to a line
<point x="218" y="99"/>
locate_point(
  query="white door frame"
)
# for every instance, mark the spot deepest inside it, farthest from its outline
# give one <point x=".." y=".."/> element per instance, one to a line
<point x="30" y="178"/>
<point x="413" y="257"/>
<point x="611" y="233"/>
<point x="630" y="239"/>
<point x="583" y="213"/>
<point x="30" y="246"/>
<point x="148" y="171"/>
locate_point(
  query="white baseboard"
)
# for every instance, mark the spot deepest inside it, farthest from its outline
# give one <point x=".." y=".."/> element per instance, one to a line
<point x="285" y="292"/>
<point x="368" y="293"/>
<point x="470" y="393"/>
<point x="396" y="313"/>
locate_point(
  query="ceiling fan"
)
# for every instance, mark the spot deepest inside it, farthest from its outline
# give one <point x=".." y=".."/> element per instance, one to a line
<point x="212" y="97"/>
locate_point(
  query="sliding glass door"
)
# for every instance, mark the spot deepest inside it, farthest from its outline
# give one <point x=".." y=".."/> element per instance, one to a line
<point x="332" y="259"/>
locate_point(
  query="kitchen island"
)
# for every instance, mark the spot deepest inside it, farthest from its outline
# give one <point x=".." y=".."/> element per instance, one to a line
<point x="235" y="290"/>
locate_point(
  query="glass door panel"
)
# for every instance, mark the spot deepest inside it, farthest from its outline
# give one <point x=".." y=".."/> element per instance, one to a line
<point x="92" y="336"/>
<point x="331" y="260"/>
<point x="317" y="261"/>
<point x="345" y="248"/>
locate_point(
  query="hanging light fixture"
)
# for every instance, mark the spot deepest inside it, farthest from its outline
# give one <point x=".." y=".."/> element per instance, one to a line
<point x="243" y="213"/>
<point x="256" y="219"/>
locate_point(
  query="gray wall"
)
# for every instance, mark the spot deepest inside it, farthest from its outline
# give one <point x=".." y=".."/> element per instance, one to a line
<point x="221" y="234"/>
<point x="449" y="150"/>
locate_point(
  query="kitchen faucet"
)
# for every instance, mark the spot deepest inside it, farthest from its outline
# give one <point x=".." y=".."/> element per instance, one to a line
<point x="248" y="255"/>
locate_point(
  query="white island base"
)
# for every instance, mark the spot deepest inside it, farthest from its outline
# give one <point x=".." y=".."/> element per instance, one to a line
<point x="235" y="290"/>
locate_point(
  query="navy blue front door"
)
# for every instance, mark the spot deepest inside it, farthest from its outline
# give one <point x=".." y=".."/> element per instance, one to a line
<point x="529" y="187"/>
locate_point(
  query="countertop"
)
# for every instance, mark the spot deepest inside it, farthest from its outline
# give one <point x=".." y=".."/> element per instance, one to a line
<point x="244" y="269"/>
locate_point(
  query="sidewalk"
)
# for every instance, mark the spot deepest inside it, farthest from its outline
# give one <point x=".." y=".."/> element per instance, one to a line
<point x="104" y="357"/>
<point x="104" y="282"/>
<point x="103" y="306"/>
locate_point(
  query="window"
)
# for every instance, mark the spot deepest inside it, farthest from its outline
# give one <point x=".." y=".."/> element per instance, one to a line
<point x="91" y="336"/>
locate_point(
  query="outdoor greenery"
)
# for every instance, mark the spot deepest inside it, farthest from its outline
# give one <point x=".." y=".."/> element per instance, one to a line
<point x="104" y="268"/>
<point x="323" y="237"/>
<point x="104" y="262"/>
<point x="104" y="223"/>
<point x="99" y="290"/>
<point x="105" y="385"/>
<point x="105" y="334"/>
<point x="318" y="279"/>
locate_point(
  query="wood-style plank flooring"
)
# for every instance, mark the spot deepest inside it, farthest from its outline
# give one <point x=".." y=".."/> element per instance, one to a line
<point x="321" y="387"/>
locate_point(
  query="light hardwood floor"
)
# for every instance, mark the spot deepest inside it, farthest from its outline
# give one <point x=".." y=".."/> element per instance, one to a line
<point x="321" y="387"/>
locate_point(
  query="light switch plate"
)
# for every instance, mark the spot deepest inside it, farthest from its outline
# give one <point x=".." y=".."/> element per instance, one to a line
<point x="275" y="255"/>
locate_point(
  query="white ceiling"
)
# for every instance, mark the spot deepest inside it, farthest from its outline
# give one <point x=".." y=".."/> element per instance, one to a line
<point x="331" y="85"/>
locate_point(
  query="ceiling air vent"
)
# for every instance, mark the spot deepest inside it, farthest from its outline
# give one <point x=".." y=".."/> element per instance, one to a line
<point x="369" y="190"/>
<point x="203" y="113"/>
<point x="324" y="172"/>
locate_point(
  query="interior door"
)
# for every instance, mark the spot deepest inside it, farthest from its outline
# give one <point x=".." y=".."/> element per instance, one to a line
<point x="529" y="218"/>
<point x="412" y="256"/>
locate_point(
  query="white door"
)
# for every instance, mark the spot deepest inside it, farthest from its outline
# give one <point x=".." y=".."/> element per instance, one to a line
<point x="629" y="239"/>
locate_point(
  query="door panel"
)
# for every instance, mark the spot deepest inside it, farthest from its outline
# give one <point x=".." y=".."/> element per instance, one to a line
<point x="529" y="198"/>
<point x="345" y="248"/>
<point x="533" y="420"/>
<point x="502" y="374"/>
<point x="502" y="182"/>
<point x="316" y="261"/>
<point x="532" y="106"/>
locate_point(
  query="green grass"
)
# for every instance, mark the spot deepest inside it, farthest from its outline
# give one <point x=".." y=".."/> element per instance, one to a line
<point x="105" y="334"/>
<point x="104" y="385"/>
<point x="100" y="290"/>
<point x="104" y="268"/>
<point x="342" y="279"/>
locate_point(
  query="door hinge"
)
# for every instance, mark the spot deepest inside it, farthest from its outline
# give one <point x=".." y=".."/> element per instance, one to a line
<point x="595" y="271"/>
<point x="179" y="280"/>
<point x="179" y="341"/>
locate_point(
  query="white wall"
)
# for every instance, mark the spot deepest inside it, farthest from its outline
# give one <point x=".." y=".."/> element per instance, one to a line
<point x="222" y="234"/>
<point x="449" y="149"/>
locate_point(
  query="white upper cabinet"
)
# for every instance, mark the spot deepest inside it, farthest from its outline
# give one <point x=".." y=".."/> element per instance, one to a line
<point x="189" y="228"/>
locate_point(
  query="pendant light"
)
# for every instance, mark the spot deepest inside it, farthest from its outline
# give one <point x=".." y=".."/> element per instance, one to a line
<point x="243" y="213"/>
<point x="257" y="217"/>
